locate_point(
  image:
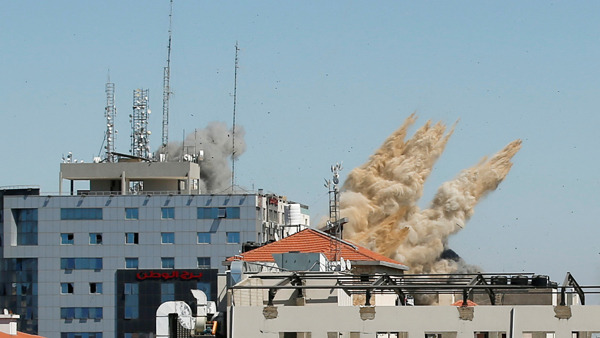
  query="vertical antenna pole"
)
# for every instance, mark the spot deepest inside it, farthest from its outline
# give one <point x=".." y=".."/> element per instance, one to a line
<point x="110" y="112"/>
<point x="234" y="106"/>
<point x="167" y="87"/>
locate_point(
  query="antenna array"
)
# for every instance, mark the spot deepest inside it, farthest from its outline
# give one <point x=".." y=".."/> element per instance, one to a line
<point x="234" y="106"/>
<point x="140" y="142"/>
<point x="167" y="87"/>
<point x="110" y="112"/>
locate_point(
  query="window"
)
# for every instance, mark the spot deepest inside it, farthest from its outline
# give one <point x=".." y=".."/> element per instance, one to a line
<point x="96" y="288"/>
<point x="66" y="288"/>
<point x="27" y="226"/>
<point x="132" y="213"/>
<point x="131" y="263"/>
<point x="167" y="213"/>
<point x="81" y="263"/>
<point x="167" y="262"/>
<point x="167" y="292"/>
<point x="131" y="238"/>
<point x="233" y="237"/>
<point x="204" y="238"/>
<point x="81" y="335"/>
<point x="132" y="301"/>
<point x="81" y="313"/>
<point x="80" y="213"/>
<point x="66" y="239"/>
<point x="203" y="262"/>
<point x="206" y="288"/>
<point x="95" y="238"/>
<point x="221" y="212"/>
<point x="167" y="237"/>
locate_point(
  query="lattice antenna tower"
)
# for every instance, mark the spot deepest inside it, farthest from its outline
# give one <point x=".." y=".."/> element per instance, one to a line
<point x="110" y="113"/>
<point x="234" y="106"/>
<point x="334" y="192"/>
<point x="167" y="87"/>
<point x="140" y="142"/>
<point x="333" y="224"/>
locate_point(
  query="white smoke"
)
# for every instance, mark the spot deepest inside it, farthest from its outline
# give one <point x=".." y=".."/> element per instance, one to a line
<point x="216" y="141"/>
<point x="380" y="199"/>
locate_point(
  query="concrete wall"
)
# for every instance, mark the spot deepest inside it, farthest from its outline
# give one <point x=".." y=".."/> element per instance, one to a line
<point x="252" y="321"/>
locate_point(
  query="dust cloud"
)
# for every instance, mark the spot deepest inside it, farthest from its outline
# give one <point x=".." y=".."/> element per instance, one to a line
<point x="216" y="142"/>
<point x="380" y="199"/>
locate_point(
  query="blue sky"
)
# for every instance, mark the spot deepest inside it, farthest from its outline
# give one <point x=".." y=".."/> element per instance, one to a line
<point x="327" y="81"/>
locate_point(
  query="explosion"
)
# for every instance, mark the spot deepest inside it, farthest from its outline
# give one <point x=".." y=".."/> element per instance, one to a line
<point x="217" y="143"/>
<point x="380" y="199"/>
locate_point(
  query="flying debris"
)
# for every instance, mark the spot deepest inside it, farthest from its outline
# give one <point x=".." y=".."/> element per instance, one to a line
<point x="380" y="198"/>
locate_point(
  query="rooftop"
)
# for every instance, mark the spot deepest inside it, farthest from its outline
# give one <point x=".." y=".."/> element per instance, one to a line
<point x="315" y="241"/>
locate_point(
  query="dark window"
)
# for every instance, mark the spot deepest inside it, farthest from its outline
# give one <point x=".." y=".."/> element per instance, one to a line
<point x="81" y="335"/>
<point x="167" y="262"/>
<point x="66" y="239"/>
<point x="167" y="237"/>
<point x="167" y="292"/>
<point x="233" y="237"/>
<point x="131" y="213"/>
<point x="81" y="313"/>
<point x="131" y="238"/>
<point x="80" y="213"/>
<point x="96" y="288"/>
<point x="131" y="263"/>
<point x="203" y="262"/>
<point x="167" y="213"/>
<point x="66" y="288"/>
<point x="27" y="226"/>
<point x="95" y="238"/>
<point x="81" y="263"/>
<point x="222" y="212"/>
<point x="204" y="238"/>
<point x="132" y="302"/>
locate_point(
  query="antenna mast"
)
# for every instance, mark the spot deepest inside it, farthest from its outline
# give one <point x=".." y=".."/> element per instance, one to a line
<point x="167" y="87"/>
<point x="140" y="142"/>
<point x="234" y="106"/>
<point x="110" y="112"/>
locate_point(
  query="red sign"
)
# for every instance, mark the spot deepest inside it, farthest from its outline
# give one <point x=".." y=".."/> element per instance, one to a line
<point x="185" y="275"/>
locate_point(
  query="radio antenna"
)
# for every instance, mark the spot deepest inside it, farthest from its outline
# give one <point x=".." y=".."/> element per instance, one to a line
<point x="167" y="87"/>
<point x="234" y="106"/>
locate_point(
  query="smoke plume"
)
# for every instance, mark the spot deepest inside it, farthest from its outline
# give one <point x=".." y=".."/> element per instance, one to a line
<point x="216" y="141"/>
<point x="380" y="199"/>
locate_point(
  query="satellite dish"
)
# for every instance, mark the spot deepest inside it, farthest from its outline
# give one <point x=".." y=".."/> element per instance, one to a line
<point x="348" y="265"/>
<point x="184" y="315"/>
<point x="336" y="180"/>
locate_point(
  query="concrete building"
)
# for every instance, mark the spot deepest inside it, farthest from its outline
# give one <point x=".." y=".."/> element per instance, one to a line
<point x="98" y="262"/>
<point x="318" y="305"/>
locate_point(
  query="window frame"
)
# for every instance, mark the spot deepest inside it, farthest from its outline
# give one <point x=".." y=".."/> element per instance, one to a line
<point x="167" y="213"/>
<point x="134" y="240"/>
<point x="169" y="260"/>
<point x="167" y="238"/>
<point x="204" y="233"/>
<point x="132" y="213"/>
<point x="67" y="241"/>
<point x="132" y="260"/>
<point x="236" y="234"/>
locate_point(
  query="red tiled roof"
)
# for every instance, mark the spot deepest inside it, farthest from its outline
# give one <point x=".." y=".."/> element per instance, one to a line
<point x="19" y="334"/>
<point x="311" y="241"/>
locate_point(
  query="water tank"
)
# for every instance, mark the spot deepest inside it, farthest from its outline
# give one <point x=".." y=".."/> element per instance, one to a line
<point x="499" y="280"/>
<point x="540" y="281"/>
<point x="519" y="280"/>
<point x="293" y="215"/>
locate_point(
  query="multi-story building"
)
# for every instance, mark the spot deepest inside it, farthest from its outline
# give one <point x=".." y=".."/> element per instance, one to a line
<point x="99" y="262"/>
